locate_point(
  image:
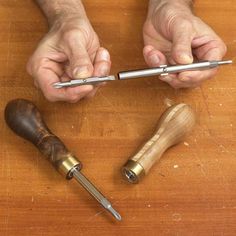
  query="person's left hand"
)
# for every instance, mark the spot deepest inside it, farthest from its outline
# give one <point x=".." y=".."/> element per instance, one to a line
<point x="70" y="50"/>
<point x="173" y="35"/>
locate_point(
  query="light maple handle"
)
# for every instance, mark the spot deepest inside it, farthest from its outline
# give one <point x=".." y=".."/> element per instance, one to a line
<point x="174" y="124"/>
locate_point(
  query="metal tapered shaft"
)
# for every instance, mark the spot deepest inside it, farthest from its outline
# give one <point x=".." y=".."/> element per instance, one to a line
<point x="80" y="82"/>
<point x="225" y="62"/>
<point x="23" y="117"/>
<point x="95" y="193"/>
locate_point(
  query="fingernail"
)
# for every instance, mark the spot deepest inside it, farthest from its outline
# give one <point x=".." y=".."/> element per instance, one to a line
<point x="103" y="71"/>
<point x="81" y="72"/>
<point x="154" y="59"/>
<point x="104" y="56"/>
<point x="185" y="59"/>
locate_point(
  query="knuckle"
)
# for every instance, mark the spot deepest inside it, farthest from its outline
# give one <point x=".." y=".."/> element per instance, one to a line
<point x="185" y="25"/>
<point x="33" y="66"/>
<point x="181" y="23"/>
<point x="73" y="35"/>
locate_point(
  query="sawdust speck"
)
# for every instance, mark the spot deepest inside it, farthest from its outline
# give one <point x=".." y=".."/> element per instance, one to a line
<point x="186" y="144"/>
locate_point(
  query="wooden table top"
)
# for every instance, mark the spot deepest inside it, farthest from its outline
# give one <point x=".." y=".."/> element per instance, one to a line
<point x="191" y="191"/>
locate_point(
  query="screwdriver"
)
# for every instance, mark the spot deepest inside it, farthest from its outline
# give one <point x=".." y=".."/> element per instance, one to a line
<point x="23" y="117"/>
<point x="132" y="74"/>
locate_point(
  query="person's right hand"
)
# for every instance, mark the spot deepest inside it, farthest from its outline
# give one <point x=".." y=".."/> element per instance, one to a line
<point x="173" y="35"/>
<point x="70" y="50"/>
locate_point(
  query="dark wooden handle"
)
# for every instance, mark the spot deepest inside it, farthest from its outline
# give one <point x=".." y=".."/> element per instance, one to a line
<point x="25" y="120"/>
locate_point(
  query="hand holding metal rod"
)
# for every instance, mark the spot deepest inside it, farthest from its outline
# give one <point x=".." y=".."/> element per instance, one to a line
<point x="25" y="120"/>
<point x="132" y="74"/>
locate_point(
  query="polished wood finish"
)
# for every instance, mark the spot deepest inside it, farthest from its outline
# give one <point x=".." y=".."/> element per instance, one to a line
<point x="173" y="126"/>
<point x="191" y="191"/>
<point x="25" y="120"/>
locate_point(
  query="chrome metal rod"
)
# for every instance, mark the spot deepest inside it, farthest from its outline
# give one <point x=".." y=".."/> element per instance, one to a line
<point x="95" y="193"/>
<point x="80" y="82"/>
<point x="165" y="70"/>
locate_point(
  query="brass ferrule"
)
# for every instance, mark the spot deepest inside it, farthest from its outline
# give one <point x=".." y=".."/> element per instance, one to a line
<point x="133" y="171"/>
<point x="67" y="166"/>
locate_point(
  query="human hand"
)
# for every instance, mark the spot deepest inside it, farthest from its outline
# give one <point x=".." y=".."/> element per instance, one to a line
<point x="173" y="35"/>
<point x="70" y="50"/>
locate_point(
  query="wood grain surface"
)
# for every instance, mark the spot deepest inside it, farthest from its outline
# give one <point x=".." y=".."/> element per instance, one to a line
<point x="191" y="191"/>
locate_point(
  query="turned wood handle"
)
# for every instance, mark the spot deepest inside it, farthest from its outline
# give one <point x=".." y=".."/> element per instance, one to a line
<point x="175" y="123"/>
<point x="25" y="120"/>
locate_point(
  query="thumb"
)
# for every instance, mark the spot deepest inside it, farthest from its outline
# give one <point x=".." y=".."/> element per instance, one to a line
<point x="182" y="35"/>
<point x="80" y="63"/>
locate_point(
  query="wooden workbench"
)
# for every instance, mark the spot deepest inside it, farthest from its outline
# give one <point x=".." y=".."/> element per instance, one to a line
<point x="191" y="191"/>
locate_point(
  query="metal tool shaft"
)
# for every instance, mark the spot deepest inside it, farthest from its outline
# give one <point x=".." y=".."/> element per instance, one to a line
<point x="165" y="70"/>
<point x="80" y="82"/>
<point x="95" y="193"/>
<point x="23" y="117"/>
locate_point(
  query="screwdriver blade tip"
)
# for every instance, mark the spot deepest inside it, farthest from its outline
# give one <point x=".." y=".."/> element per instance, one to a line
<point x="225" y="62"/>
<point x="57" y="85"/>
<point x="114" y="213"/>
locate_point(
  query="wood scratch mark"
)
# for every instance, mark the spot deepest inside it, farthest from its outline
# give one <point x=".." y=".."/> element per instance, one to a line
<point x="224" y="183"/>
<point x="214" y="139"/>
<point x="201" y="165"/>
<point x="210" y="116"/>
<point x="205" y="102"/>
<point x="101" y="212"/>
<point x="97" y="214"/>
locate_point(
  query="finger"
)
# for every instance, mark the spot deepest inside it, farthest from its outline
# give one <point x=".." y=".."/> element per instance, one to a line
<point x="206" y="48"/>
<point x="75" y="94"/>
<point x="153" y="57"/>
<point x="175" y="83"/>
<point x="93" y="92"/>
<point x="193" y="77"/>
<point x="102" y="66"/>
<point x="46" y="78"/>
<point x="211" y="50"/>
<point x="80" y="62"/>
<point x="34" y="65"/>
<point x="102" y="63"/>
<point x="168" y="78"/>
<point x="182" y="35"/>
